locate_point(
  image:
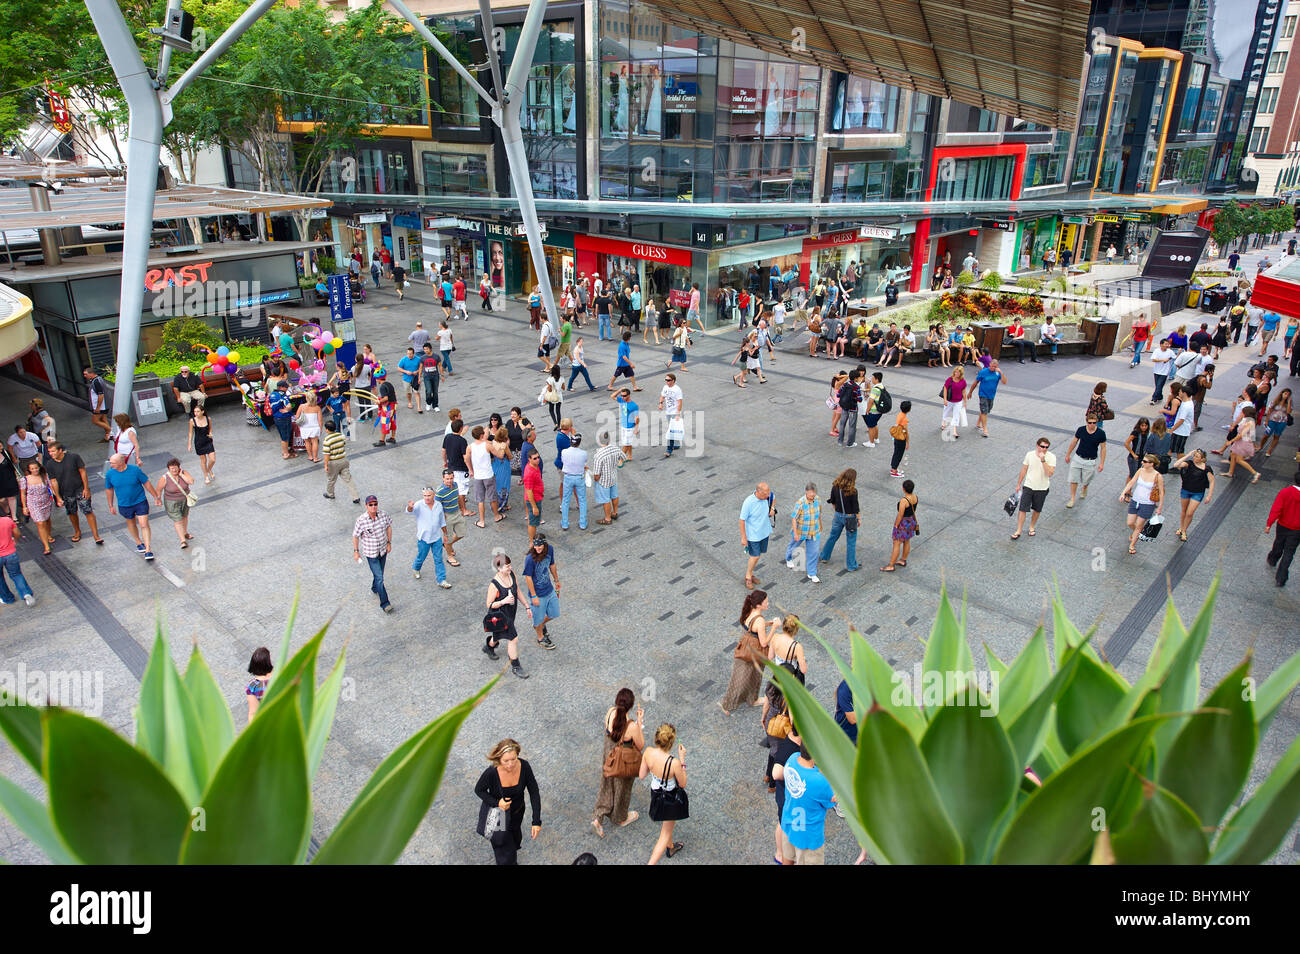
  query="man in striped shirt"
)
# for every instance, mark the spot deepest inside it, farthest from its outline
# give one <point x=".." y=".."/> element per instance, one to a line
<point x="336" y="462"/>
<point x="372" y="538"/>
<point x="449" y="497"/>
<point x="604" y="467"/>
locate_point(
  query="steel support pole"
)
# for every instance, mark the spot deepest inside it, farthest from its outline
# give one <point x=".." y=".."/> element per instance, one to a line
<point x="515" y="94"/>
<point x="219" y="46"/>
<point x="143" y="150"/>
<point x="489" y="42"/>
<point x="165" y="56"/>
<point x="427" y="35"/>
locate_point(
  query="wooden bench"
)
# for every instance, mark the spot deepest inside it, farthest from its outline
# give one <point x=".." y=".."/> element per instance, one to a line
<point x="218" y="384"/>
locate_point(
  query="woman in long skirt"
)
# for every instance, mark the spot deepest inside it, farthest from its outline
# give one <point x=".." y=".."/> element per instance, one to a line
<point x="746" y="674"/>
<point x="616" y="793"/>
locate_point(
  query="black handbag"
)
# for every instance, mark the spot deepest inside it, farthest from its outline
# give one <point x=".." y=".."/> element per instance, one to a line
<point x="669" y="804"/>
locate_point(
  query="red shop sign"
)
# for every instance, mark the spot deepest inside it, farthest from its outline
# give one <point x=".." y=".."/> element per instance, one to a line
<point x="679" y="298"/>
<point x="644" y="250"/>
<point x="847" y="237"/>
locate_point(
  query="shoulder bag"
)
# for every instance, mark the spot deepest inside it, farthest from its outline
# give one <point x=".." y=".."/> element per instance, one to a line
<point x="898" y="433"/>
<point x="191" y="498"/>
<point x="750" y="649"/>
<point x="665" y="804"/>
<point x="623" y="761"/>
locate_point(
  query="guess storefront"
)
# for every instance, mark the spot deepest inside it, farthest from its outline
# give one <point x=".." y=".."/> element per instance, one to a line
<point x="664" y="272"/>
<point x="877" y="253"/>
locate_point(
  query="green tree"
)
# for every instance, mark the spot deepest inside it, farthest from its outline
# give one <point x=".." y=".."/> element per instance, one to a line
<point x="303" y="63"/>
<point x="1229" y="224"/>
<point x="1137" y="773"/>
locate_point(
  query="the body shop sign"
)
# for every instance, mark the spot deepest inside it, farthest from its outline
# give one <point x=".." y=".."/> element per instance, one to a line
<point x="643" y="250"/>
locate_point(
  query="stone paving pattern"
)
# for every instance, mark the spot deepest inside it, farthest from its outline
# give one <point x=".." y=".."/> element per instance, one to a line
<point x="649" y="602"/>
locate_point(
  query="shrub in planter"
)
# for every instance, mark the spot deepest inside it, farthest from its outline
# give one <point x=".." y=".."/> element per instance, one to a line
<point x="992" y="281"/>
<point x="1032" y="282"/>
<point x="1030" y="306"/>
<point x="183" y="336"/>
<point x="965" y="278"/>
<point x="986" y="303"/>
<point x="327" y="266"/>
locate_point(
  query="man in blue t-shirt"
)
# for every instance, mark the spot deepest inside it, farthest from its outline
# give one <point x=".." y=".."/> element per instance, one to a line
<point x="624" y="367"/>
<point x="628" y="425"/>
<point x="540" y="572"/>
<point x="125" y="485"/>
<point x="409" y="365"/>
<point x="808" y="796"/>
<point x="448" y="292"/>
<point x="845" y="717"/>
<point x="1271" y="321"/>
<point x="987" y="380"/>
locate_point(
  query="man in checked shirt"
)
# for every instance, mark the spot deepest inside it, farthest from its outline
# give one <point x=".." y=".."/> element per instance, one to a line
<point x="372" y="538"/>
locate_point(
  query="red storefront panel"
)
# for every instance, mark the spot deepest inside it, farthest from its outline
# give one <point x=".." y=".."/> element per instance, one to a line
<point x="650" y="251"/>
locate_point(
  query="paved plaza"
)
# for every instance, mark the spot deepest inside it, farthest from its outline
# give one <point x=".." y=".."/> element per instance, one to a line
<point x="650" y="602"/>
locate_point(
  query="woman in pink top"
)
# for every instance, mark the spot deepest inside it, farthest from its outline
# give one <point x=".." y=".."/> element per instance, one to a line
<point x="954" y="393"/>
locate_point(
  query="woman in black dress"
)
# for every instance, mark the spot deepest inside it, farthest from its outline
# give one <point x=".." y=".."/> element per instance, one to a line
<point x="1220" y="339"/>
<point x="9" y="488"/>
<point x="515" y="432"/>
<point x="502" y="786"/>
<point x="502" y="604"/>
<point x="200" y="441"/>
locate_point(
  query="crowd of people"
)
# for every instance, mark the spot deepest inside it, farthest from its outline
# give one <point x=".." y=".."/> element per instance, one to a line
<point x="488" y="466"/>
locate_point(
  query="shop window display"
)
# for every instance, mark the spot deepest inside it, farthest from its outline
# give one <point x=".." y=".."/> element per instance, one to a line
<point x="861" y="105"/>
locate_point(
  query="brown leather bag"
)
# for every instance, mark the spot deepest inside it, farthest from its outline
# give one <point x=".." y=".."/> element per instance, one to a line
<point x="623" y="761"/>
<point x="750" y="650"/>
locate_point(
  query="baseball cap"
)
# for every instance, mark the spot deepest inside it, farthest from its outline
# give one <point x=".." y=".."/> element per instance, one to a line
<point x="282" y="384"/>
<point x="372" y="499"/>
<point x="448" y="470"/>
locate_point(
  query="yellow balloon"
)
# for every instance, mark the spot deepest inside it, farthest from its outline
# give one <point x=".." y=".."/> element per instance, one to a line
<point x="233" y="357"/>
<point x="337" y="343"/>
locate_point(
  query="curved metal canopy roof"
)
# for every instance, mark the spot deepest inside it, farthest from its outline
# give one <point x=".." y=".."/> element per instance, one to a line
<point x="1018" y="57"/>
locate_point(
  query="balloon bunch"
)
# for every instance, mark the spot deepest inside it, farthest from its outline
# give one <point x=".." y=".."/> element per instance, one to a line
<point x="223" y="359"/>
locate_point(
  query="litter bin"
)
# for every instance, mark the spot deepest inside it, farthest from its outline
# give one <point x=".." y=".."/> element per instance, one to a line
<point x="1194" y="293"/>
<point x="147" y="400"/>
<point x="1102" y="332"/>
<point x="1214" y="299"/>
<point x="989" y="336"/>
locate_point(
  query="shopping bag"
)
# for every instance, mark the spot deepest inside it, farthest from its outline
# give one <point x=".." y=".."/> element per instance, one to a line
<point x="1152" y="528"/>
<point x="1010" y="504"/>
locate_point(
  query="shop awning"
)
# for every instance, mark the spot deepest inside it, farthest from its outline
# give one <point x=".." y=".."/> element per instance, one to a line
<point x="17" y="332"/>
<point x="82" y="203"/>
<point x="826" y="212"/>
<point x="1018" y="57"/>
<point x="1174" y="205"/>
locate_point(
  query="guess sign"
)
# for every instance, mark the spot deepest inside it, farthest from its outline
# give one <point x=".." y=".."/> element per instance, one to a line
<point x="156" y="279"/>
<point x="641" y="250"/>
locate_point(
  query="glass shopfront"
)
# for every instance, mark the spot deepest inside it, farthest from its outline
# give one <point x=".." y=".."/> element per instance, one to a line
<point x="877" y="254"/>
<point x="752" y="269"/>
<point x="664" y="273"/>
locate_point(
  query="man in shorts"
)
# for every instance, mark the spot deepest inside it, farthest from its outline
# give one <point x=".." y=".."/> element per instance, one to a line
<point x="543" y="579"/>
<point x="755" y="529"/>
<point x="987" y="380"/>
<point x="778" y="321"/>
<point x="70" y="472"/>
<point x="533" y="489"/>
<point x="604" y="467"/>
<point x="454" y="448"/>
<point x="1033" y="483"/>
<point x="478" y="462"/>
<point x="872" y="413"/>
<point x="458" y="298"/>
<point x="447" y="292"/>
<point x="450" y="498"/>
<point x="628" y="422"/>
<point x="625" y="368"/>
<point x="126" y="485"/>
<point x="1090" y="459"/>
<point x="98" y="390"/>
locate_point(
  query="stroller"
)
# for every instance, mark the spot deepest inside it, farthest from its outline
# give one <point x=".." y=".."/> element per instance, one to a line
<point x="358" y="287"/>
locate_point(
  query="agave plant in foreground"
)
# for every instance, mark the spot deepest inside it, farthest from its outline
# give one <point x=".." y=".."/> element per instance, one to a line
<point x="1129" y="773"/>
<point x="190" y="792"/>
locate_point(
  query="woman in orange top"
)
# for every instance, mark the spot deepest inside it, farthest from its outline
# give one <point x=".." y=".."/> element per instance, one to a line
<point x="902" y="438"/>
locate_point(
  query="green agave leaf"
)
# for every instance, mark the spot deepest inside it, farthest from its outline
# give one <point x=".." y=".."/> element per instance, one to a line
<point x="1064" y="633"/>
<point x="382" y="819"/>
<point x="994" y="663"/>
<point x="151" y="710"/>
<point x="1209" y="760"/>
<point x="21" y="725"/>
<point x="975" y="772"/>
<point x="184" y="759"/>
<point x="1258" y="827"/>
<point x="1274" y="690"/>
<point x="110" y="803"/>
<point x="33" y="820"/>
<point x="1182" y="684"/>
<point x="299" y="673"/>
<point x="1086" y="702"/>
<point x="887" y="690"/>
<point x="215" y="724"/>
<point x="1165" y="832"/>
<point x="835" y="754"/>
<point x="897" y="798"/>
<point x="1030" y="672"/>
<point x="1055" y="825"/>
<point x="283" y="657"/>
<point x="257" y="809"/>
<point x="946" y="650"/>
<point x="1132" y="794"/>
<point x="1034" y="727"/>
<point x="322" y="714"/>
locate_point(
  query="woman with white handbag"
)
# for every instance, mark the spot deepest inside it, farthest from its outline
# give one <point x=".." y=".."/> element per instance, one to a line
<point x="552" y="395"/>
<point x="174" y="487"/>
<point x="501" y="790"/>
